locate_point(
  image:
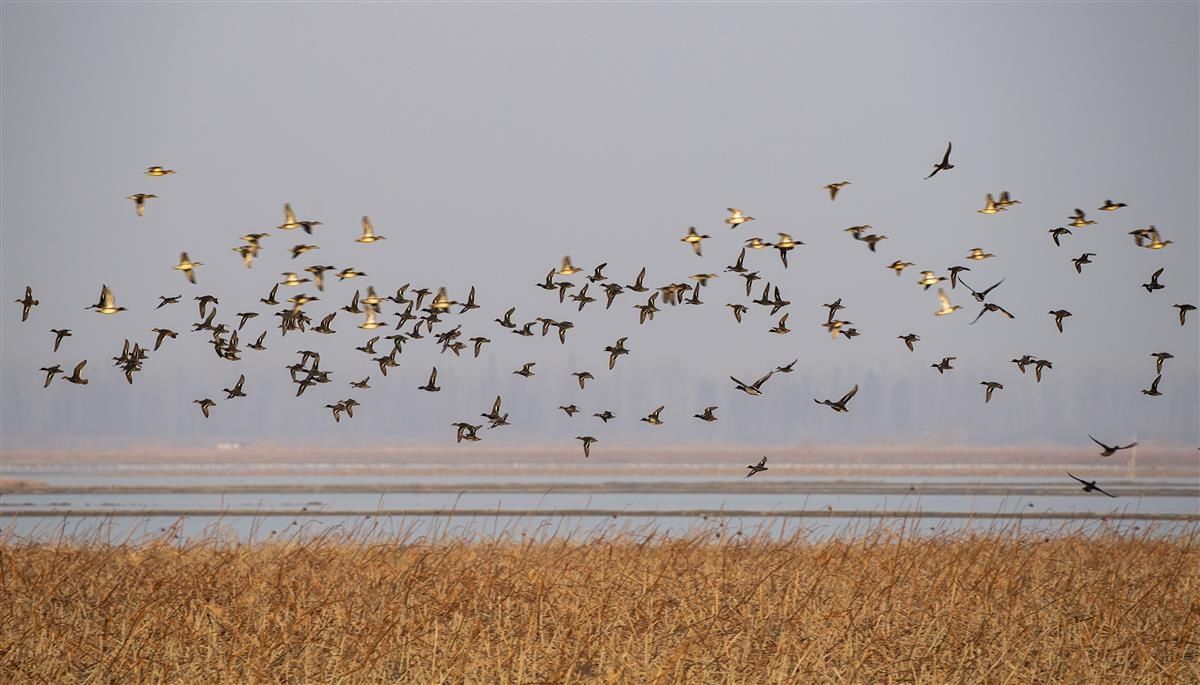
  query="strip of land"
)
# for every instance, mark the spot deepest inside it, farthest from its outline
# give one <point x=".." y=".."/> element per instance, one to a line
<point x="603" y="513"/>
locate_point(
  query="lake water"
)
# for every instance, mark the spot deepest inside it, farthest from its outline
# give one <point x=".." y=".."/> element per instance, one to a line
<point x="255" y="506"/>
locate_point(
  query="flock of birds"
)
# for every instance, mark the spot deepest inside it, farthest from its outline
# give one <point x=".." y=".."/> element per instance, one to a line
<point x="424" y="309"/>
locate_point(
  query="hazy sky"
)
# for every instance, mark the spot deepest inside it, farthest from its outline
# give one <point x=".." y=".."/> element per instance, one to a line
<point x="488" y="140"/>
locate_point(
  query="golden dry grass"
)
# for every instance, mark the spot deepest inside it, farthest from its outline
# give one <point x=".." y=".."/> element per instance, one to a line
<point x="1005" y="607"/>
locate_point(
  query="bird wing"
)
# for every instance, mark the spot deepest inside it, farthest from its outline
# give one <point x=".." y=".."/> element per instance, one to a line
<point x="942" y="299"/>
<point x="946" y="157"/>
<point x="657" y="411"/>
<point x="1076" y="477"/>
<point x="1098" y="489"/>
<point x="289" y="217"/>
<point x="433" y="376"/>
<point x="758" y="383"/>
<point x="78" y="368"/>
<point x="847" y="396"/>
<point x="739" y="383"/>
<point x="241" y="380"/>
<point x="107" y="299"/>
<point x="368" y="229"/>
<point x="1155" y="275"/>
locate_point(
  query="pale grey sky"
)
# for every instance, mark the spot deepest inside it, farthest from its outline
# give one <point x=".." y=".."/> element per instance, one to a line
<point x="488" y="140"/>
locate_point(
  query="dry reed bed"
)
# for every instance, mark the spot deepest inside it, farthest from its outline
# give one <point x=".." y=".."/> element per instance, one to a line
<point x="1004" y="607"/>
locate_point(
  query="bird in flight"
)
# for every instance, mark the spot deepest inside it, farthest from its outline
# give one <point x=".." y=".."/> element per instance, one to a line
<point x="1085" y="258"/>
<point x="944" y="304"/>
<point x="1110" y="206"/>
<point x="1090" y="485"/>
<point x="840" y="405"/>
<point x="1159" y="358"/>
<point x="205" y="405"/>
<point x="653" y="418"/>
<point x="188" y="267"/>
<point x="76" y="376"/>
<point x="707" y="415"/>
<point x="587" y="441"/>
<point x="1109" y="450"/>
<point x="1154" y="284"/>
<point x="833" y="188"/>
<point x="991" y="386"/>
<point x="432" y="385"/>
<point x="752" y="389"/>
<point x="368" y="232"/>
<point x="107" y="303"/>
<point x="693" y="238"/>
<point x="943" y="165"/>
<point x="28" y="303"/>
<point x="1079" y="219"/>
<point x="1059" y="315"/>
<point x="139" y="201"/>
<point x="1183" y="310"/>
<point x="909" y="340"/>
<point x="755" y="468"/>
<point x="158" y="171"/>
<point x="1056" y="233"/>
<point x="1153" y="390"/>
<point x="944" y="365"/>
<point x="737" y="218"/>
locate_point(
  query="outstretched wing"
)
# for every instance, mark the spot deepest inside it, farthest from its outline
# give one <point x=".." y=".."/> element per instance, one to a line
<point x="758" y="383"/>
<point x="1076" y="477"/>
<point x="846" y="398"/>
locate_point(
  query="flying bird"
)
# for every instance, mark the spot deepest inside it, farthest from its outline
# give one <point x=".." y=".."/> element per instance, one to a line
<point x="587" y="441"/>
<point x="139" y="201"/>
<point x="943" y="165"/>
<point x="840" y="405"/>
<point x="1059" y="315"/>
<point x="28" y="303"/>
<point x="1109" y="450"/>
<point x="1090" y="485"/>
<point x="755" y="468"/>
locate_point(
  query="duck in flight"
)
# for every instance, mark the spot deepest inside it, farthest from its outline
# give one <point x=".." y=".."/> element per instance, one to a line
<point x="755" y="468"/>
<point x="187" y="266"/>
<point x="139" y="201"/>
<point x="526" y="369"/>
<point x="1059" y="315"/>
<point x="707" y="415"/>
<point x="568" y="268"/>
<point x="76" y="376"/>
<point x="1056" y="233"/>
<point x="785" y="245"/>
<point x="899" y="266"/>
<point x="909" y="340"/>
<point x="653" y="418"/>
<point x="840" y="405"/>
<point x="583" y="377"/>
<point x="1154" y="284"/>
<point x="1183" y="310"/>
<point x="1159" y="358"/>
<point x="977" y="254"/>
<point x="432" y="385"/>
<point x="1079" y="219"/>
<point x="943" y="165"/>
<point x="616" y="350"/>
<point x="693" y="238"/>
<point x="929" y="279"/>
<point x="107" y="303"/>
<point x="1109" y="450"/>
<point x="158" y="171"/>
<point x="1090" y="485"/>
<point x="992" y="307"/>
<point x="737" y="218"/>
<point x="236" y="390"/>
<point x="605" y="415"/>
<point x="833" y="189"/>
<point x="205" y="405"/>
<point x="990" y="206"/>
<point x="27" y="303"/>
<point x="368" y="232"/>
<point x="50" y="372"/>
<point x="981" y="295"/>
<point x="59" y="334"/>
<point x="1153" y="390"/>
<point x="991" y="386"/>
<point x="587" y="441"/>
<point x="1085" y="258"/>
<point x="752" y="389"/>
<point x="945" y="307"/>
<point x="944" y="365"/>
